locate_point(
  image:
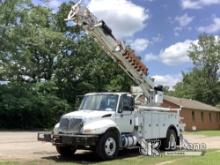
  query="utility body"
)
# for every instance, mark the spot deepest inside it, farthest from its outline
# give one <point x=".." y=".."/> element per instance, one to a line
<point x="110" y="121"/>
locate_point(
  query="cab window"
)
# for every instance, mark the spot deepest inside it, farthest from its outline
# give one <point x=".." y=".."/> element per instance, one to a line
<point x="126" y="103"/>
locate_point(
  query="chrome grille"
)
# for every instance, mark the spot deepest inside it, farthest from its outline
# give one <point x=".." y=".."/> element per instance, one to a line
<point x="64" y="124"/>
<point x="70" y="125"/>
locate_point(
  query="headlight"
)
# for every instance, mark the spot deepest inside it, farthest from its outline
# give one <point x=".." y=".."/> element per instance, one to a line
<point x="88" y="131"/>
<point x="56" y="128"/>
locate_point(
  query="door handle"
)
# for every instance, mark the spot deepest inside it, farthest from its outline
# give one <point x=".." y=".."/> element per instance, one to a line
<point x="130" y="121"/>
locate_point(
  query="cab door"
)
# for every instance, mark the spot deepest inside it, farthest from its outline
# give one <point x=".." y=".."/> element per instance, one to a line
<point x="125" y="114"/>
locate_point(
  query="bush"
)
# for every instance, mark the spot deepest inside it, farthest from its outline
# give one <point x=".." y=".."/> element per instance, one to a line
<point x="24" y="107"/>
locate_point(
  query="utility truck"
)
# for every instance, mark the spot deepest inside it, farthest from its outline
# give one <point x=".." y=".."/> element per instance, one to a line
<point x="110" y="121"/>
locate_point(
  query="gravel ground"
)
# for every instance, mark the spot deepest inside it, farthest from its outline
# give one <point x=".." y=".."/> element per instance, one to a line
<point x="24" y="146"/>
<point x="211" y="142"/>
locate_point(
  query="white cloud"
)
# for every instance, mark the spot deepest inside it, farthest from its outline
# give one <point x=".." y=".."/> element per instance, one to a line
<point x="198" y="4"/>
<point x="176" y="53"/>
<point x="122" y="16"/>
<point x="184" y="20"/>
<point x="157" y="38"/>
<point x="178" y="28"/>
<point x="139" y="44"/>
<point x="4" y="82"/>
<point x="53" y="4"/>
<point x="212" y="28"/>
<point x="176" y="34"/>
<point x="167" y="80"/>
<point x="150" y="57"/>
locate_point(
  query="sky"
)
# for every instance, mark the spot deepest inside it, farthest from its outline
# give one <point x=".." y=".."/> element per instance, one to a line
<point x="160" y="31"/>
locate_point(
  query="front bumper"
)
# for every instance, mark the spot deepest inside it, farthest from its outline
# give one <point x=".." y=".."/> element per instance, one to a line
<point x="63" y="139"/>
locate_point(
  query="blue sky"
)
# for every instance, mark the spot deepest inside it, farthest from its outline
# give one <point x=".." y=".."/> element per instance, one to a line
<point x="160" y="31"/>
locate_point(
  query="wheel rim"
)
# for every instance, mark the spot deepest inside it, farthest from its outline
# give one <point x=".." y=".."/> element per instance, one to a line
<point x="172" y="141"/>
<point x="110" y="146"/>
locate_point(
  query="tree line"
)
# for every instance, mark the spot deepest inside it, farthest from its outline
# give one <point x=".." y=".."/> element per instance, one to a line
<point x="202" y="83"/>
<point x="46" y="65"/>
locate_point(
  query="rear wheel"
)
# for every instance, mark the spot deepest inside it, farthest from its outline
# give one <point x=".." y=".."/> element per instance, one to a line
<point x="65" y="151"/>
<point x="108" y="145"/>
<point x="171" y="141"/>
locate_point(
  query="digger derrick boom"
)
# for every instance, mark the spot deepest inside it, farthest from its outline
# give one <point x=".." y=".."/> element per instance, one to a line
<point x="122" y="55"/>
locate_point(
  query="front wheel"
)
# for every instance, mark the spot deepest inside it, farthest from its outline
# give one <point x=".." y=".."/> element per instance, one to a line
<point x="108" y="145"/>
<point x="65" y="151"/>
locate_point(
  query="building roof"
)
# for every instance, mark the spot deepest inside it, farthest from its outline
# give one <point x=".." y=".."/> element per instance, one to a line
<point x="191" y="104"/>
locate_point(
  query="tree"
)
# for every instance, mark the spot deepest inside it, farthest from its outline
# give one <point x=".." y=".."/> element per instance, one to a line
<point x="89" y="69"/>
<point x="84" y="66"/>
<point x="203" y="82"/>
<point x="30" y="45"/>
<point x="26" y="107"/>
<point x="48" y="64"/>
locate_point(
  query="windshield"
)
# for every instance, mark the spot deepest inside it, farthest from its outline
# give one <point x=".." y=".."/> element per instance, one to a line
<point x="100" y="102"/>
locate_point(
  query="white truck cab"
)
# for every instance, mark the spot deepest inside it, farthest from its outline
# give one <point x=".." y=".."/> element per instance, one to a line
<point x="107" y="122"/>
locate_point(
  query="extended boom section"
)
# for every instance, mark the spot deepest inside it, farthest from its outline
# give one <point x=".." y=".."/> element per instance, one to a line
<point x="122" y="55"/>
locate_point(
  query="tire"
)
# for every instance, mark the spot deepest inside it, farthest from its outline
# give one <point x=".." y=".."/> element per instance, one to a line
<point x="170" y="142"/>
<point x="65" y="151"/>
<point x="108" y="146"/>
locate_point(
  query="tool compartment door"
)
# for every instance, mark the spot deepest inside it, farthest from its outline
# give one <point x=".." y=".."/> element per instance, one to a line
<point x="155" y="129"/>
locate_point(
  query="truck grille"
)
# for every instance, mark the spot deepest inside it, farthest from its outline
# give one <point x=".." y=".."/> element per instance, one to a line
<point x="70" y="125"/>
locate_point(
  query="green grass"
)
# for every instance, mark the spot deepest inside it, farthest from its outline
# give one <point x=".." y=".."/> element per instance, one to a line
<point x="209" y="133"/>
<point x="212" y="157"/>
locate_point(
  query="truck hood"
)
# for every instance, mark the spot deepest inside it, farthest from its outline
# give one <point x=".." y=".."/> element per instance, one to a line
<point x="88" y="114"/>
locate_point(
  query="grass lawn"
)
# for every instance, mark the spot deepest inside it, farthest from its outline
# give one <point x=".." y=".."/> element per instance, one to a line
<point x="212" y="157"/>
<point x="205" y="133"/>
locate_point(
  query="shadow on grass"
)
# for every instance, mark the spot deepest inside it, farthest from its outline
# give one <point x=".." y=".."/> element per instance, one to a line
<point x="89" y="157"/>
